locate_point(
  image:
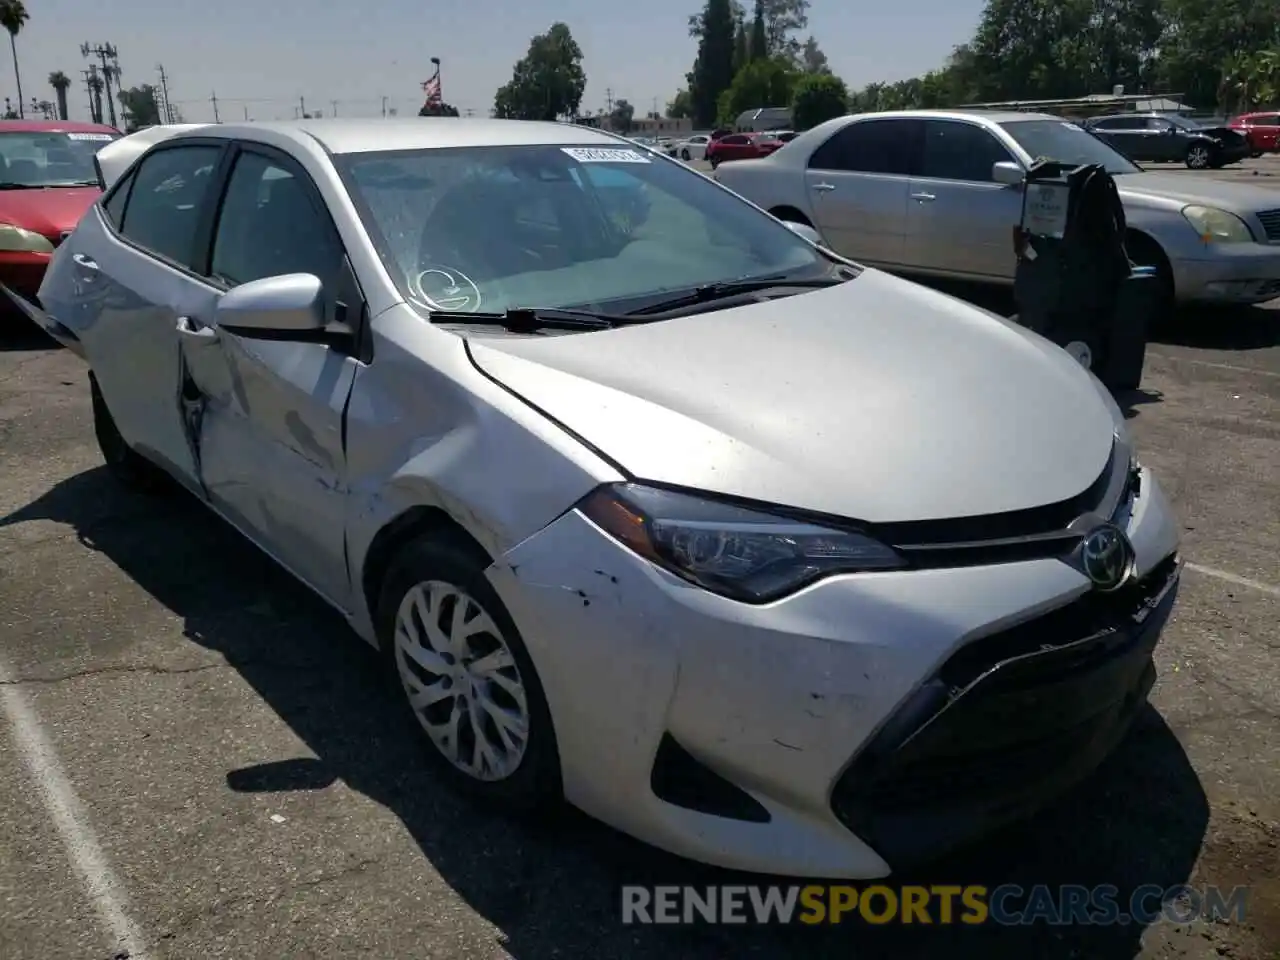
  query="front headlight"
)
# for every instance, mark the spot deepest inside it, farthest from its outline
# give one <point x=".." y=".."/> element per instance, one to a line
<point x="739" y="553"/>
<point x="1217" y="226"/>
<point x="17" y="240"/>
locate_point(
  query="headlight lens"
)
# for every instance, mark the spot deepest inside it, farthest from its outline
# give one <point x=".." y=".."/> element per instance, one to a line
<point x="738" y="553"/>
<point x="17" y="240"/>
<point x="1217" y="226"/>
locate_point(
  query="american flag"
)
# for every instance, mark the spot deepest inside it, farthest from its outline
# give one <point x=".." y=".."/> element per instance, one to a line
<point x="432" y="89"/>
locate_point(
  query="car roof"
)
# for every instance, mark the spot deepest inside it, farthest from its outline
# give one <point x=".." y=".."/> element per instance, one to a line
<point x="993" y="116"/>
<point x="54" y="126"/>
<point x="367" y="135"/>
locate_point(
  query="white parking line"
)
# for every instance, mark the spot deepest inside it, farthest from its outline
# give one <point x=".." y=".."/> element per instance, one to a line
<point x="83" y="849"/>
<point x="1234" y="578"/>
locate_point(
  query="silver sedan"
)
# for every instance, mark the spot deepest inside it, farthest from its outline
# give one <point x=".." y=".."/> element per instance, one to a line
<point x="937" y="193"/>
<point x="648" y="502"/>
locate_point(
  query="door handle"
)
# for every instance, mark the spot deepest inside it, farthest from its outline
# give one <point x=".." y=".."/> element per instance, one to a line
<point x="824" y="187"/>
<point x="85" y="263"/>
<point x="923" y="197"/>
<point x="190" y="328"/>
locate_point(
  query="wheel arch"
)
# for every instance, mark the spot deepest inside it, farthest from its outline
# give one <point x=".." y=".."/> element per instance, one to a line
<point x="786" y="212"/>
<point x="415" y="523"/>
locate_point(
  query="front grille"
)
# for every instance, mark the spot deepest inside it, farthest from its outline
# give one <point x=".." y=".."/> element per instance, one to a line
<point x="1006" y="723"/>
<point x="1271" y="224"/>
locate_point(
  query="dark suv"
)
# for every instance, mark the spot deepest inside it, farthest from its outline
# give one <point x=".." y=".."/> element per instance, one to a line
<point x="1155" y="137"/>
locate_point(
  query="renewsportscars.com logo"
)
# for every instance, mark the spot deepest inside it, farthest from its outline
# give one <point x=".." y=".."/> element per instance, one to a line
<point x="1007" y="905"/>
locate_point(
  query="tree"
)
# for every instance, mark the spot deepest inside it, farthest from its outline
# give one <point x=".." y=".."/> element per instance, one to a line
<point x="141" y="106"/>
<point x="621" y="117"/>
<point x="13" y="17"/>
<point x="818" y="97"/>
<point x="713" y="69"/>
<point x="680" y="106"/>
<point x="438" y="108"/>
<point x="60" y="83"/>
<point x="547" y="82"/>
<point x="761" y="83"/>
<point x="782" y="19"/>
<point x="812" y="59"/>
<point x="759" y="48"/>
<point x="95" y="95"/>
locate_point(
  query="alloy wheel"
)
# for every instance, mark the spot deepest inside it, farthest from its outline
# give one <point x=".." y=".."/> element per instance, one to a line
<point x="462" y="680"/>
<point x="1198" y="157"/>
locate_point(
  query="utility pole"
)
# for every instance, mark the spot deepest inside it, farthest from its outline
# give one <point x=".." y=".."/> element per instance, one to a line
<point x="214" y="100"/>
<point x="608" y="100"/>
<point x="384" y="106"/>
<point x="167" y="107"/>
<point x="246" y="114"/>
<point x="105" y="52"/>
<point x="302" y="107"/>
<point x="334" y="104"/>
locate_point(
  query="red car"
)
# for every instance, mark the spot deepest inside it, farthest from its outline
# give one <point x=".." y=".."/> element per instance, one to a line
<point x="1262" y="130"/>
<point x="47" y="182"/>
<point x="741" y="146"/>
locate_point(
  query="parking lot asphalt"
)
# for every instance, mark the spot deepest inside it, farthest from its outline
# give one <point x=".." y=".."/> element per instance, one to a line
<point x="198" y="760"/>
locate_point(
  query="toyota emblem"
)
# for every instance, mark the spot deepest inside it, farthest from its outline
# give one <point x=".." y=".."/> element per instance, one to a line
<point x="1106" y="557"/>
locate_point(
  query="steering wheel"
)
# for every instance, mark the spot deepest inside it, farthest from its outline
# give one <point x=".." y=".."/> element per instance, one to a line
<point x="443" y="287"/>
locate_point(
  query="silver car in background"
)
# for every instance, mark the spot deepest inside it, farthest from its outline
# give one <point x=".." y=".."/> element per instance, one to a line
<point x="937" y="193"/>
<point x="648" y="502"/>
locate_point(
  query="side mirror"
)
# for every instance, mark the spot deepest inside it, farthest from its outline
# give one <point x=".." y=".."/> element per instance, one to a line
<point x="805" y="231"/>
<point x="1007" y="172"/>
<point x="280" y="308"/>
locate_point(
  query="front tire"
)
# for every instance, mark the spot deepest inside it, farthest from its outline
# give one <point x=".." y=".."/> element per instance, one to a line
<point x="684" y="155"/>
<point x="127" y="466"/>
<point x="1199" y="157"/>
<point x="465" y="678"/>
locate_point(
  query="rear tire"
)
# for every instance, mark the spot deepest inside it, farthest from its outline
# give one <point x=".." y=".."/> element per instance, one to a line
<point x="127" y="466"/>
<point x="518" y="775"/>
<point x="684" y="155"/>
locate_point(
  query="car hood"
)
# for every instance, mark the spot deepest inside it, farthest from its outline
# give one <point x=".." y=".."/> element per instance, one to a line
<point x="1202" y="190"/>
<point x="48" y="211"/>
<point x="878" y="399"/>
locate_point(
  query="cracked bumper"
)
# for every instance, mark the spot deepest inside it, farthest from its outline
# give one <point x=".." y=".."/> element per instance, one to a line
<point x="777" y="699"/>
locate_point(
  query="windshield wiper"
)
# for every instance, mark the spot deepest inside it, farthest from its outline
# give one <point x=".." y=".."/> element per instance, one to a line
<point x="73" y="183"/>
<point x="533" y="319"/>
<point x="732" y="288"/>
<point x="9" y="185"/>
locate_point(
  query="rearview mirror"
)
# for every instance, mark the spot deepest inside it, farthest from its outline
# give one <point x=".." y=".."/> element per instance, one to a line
<point x="1007" y="172"/>
<point x="284" y="307"/>
<point x="805" y="231"/>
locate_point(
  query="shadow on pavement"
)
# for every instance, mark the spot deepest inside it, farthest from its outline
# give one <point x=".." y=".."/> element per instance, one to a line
<point x="22" y="334"/>
<point x="1243" y="328"/>
<point x="1130" y="400"/>
<point x="554" y="890"/>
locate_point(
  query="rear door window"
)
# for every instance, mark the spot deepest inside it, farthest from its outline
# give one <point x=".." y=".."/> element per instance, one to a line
<point x="872" y="146"/>
<point x="169" y="191"/>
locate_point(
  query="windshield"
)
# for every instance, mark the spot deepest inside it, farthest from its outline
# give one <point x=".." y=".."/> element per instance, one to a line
<point x="491" y="228"/>
<point x="50" y="159"/>
<point x="1067" y="143"/>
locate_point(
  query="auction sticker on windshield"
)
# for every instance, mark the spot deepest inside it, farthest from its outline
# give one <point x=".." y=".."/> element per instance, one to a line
<point x="605" y="155"/>
<point x="90" y="136"/>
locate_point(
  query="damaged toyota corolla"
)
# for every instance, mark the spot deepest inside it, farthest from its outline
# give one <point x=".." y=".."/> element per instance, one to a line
<point x="650" y="502"/>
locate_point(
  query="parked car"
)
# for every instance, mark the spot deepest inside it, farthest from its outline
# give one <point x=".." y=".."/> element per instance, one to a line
<point x="1262" y="130"/>
<point x="47" y="181"/>
<point x="936" y="193"/>
<point x="1155" y="138"/>
<point x="693" y="148"/>
<point x="741" y="146"/>
<point x="739" y="547"/>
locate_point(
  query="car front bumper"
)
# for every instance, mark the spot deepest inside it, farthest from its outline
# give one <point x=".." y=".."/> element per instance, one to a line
<point x="1229" y="273"/>
<point x="777" y="738"/>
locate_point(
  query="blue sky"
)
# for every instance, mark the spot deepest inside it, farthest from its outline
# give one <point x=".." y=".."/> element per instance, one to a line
<point x="260" y="56"/>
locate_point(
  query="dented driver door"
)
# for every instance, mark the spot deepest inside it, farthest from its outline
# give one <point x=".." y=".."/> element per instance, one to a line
<point x="268" y="413"/>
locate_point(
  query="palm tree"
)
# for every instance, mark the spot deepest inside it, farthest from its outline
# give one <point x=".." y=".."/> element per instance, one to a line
<point x="13" y="17"/>
<point x="61" y="83"/>
<point x="95" y="93"/>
